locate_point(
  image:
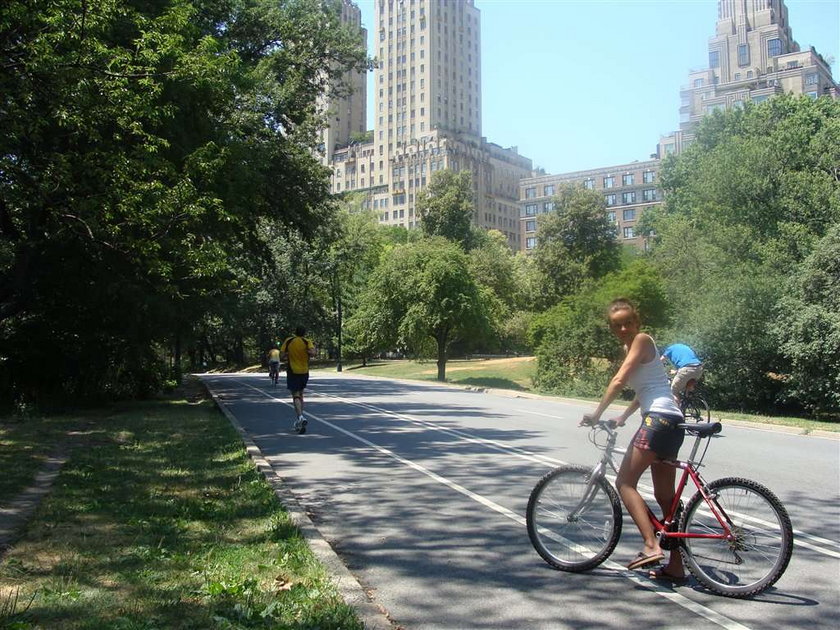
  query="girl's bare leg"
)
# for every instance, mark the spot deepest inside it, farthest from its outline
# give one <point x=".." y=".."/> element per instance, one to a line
<point x="636" y="462"/>
<point x="664" y="478"/>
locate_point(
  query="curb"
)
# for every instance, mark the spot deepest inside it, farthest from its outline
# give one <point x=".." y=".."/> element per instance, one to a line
<point x="21" y="508"/>
<point x="345" y="582"/>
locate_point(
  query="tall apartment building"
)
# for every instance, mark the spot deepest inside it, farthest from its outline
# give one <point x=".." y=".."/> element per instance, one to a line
<point x="427" y="117"/>
<point x="752" y="57"/>
<point x="629" y="190"/>
<point x="345" y="103"/>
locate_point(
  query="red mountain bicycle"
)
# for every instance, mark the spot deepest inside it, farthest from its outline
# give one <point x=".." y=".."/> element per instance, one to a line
<point x="734" y="534"/>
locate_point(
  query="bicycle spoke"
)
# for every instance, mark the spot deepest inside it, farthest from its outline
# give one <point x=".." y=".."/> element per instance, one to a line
<point x="572" y="523"/>
<point x="759" y="547"/>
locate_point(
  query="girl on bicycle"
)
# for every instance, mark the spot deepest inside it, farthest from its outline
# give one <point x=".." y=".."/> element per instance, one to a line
<point x="657" y="438"/>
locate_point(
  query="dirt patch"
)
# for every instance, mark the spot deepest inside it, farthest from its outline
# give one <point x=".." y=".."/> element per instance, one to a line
<point x="192" y="390"/>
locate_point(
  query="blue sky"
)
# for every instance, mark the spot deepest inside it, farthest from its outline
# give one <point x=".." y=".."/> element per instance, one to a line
<point x="578" y="84"/>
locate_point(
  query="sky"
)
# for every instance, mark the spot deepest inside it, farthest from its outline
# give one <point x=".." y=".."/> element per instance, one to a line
<point x="579" y="84"/>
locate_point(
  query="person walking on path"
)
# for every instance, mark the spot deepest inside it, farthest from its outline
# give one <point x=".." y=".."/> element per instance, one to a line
<point x="296" y="351"/>
<point x="688" y="364"/>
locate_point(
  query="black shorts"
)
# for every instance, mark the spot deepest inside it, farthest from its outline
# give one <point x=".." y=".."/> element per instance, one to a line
<point x="296" y="382"/>
<point x="659" y="433"/>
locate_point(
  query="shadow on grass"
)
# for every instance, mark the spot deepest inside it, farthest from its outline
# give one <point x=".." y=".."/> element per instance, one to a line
<point x="490" y="381"/>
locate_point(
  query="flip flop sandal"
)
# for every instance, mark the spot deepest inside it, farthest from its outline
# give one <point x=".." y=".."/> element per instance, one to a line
<point x="641" y="560"/>
<point x="661" y="575"/>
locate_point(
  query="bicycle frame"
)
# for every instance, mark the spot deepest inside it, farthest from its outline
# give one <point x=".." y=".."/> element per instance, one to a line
<point x="689" y="471"/>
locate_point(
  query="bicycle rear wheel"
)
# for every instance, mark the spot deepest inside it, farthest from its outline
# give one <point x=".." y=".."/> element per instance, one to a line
<point x="573" y="525"/>
<point x="696" y="409"/>
<point x="761" y="547"/>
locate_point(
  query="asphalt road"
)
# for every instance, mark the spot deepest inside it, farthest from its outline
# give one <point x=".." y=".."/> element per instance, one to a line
<point x="422" y="490"/>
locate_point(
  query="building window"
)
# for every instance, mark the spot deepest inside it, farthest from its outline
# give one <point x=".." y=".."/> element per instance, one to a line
<point x="629" y="214"/>
<point x="609" y="200"/>
<point x="531" y="225"/>
<point x="714" y="59"/>
<point x="628" y="197"/>
<point x="629" y="232"/>
<point x="548" y="191"/>
<point x="811" y="79"/>
<point x="774" y="47"/>
<point x="589" y="184"/>
<point x="627" y="180"/>
<point x="811" y="95"/>
<point x="649" y="194"/>
<point x="531" y="210"/>
<point x="548" y="206"/>
<point x="609" y="181"/>
<point x="531" y="242"/>
<point x="698" y="83"/>
<point x="611" y="216"/>
<point x="531" y="192"/>
<point x="743" y="55"/>
<point x="648" y="177"/>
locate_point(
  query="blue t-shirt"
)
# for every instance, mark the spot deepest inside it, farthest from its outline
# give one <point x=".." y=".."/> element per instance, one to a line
<point x="681" y="355"/>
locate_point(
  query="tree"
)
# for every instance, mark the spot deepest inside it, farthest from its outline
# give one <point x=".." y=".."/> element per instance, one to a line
<point x="576" y="352"/>
<point x="576" y="243"/>
<point x="143" y="146"/>
<point x="446" y="207"/>
<point x="423" y="293"/>
<point x="746" y="205"/>
<point x="807" y="329"/>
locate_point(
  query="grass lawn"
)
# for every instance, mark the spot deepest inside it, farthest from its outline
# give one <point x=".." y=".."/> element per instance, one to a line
<point x="516" y="373"/>
<point x="513" y="373"/>
<point x="159" y="520"/>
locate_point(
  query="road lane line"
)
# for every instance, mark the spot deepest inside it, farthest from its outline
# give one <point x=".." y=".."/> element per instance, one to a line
<point x="676" y="598"/>
<point x="646" y="490"/>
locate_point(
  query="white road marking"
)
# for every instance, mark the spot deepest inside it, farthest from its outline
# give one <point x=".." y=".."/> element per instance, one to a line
<point x="645" y="490"/>
<point x="688" y="604"/>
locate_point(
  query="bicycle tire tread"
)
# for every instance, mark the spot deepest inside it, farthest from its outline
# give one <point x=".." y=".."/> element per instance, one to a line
<point x="740" y="592"/>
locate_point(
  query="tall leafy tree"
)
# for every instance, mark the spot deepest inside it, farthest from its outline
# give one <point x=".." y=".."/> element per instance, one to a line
<point x="423" y="295"/>
<point x="143" y="145"/>
<point x="807" y="329"/>
<point x="576" y="243"/>
<point x="446" y="207"/>
<point x="746" y="206"/>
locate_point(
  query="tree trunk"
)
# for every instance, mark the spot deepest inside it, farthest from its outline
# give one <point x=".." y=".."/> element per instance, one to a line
<point x="441" y="356"/>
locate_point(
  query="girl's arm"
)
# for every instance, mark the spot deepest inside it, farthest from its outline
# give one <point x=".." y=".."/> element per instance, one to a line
<point x="641" y="349"/>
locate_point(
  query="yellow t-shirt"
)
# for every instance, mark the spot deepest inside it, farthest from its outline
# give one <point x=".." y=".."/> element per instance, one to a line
<point x="298" y="351"/>
<point x="274" y="355"/>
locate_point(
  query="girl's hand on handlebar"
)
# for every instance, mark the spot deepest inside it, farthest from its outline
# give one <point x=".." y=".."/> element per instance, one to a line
<point x="588" y="420"/>
<point x="617" y="422"/>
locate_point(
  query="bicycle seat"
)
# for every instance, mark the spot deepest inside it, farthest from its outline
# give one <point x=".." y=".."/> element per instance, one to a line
<point x="703" y="429"/>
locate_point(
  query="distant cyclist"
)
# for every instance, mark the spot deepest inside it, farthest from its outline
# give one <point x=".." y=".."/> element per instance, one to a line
<point x="274" y="361"/>
<point x="688" y="364"/>
<point x="297" y="351"/>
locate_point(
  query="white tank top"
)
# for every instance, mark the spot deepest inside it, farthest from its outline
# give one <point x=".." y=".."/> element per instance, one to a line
<point x="650" y="383"/>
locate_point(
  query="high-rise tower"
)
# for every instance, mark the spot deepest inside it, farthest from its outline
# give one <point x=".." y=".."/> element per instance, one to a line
<point x="346" y="103"/>
<point x="429" y="71"/>
<point x="752" y="57"/>
<point x="427" y="117"/>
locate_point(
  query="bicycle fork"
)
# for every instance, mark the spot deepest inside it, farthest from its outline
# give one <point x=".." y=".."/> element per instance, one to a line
<point x="591" y="490"/>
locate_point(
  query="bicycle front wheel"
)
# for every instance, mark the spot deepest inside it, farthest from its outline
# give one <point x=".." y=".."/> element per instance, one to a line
<point x="696" y="409"/>
<point x="760" y="547"/>
<point x="573" y="524"/>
